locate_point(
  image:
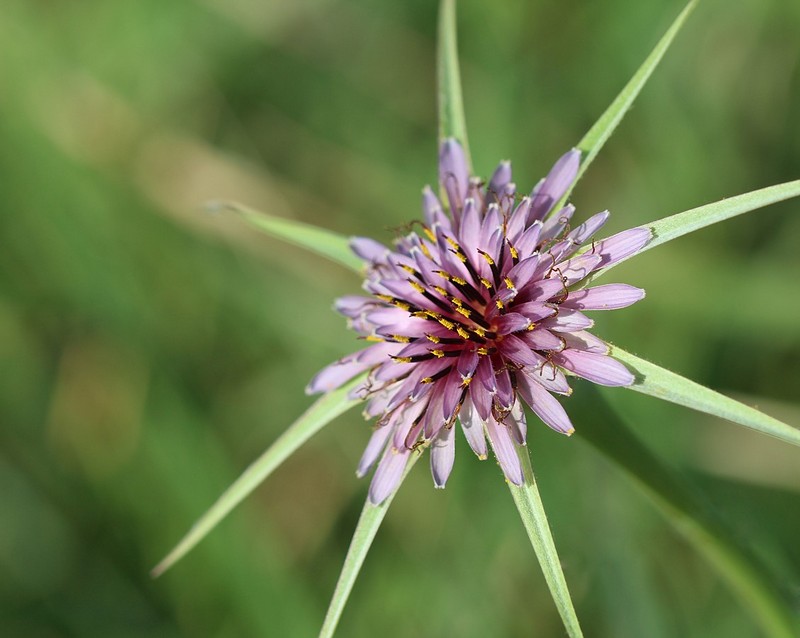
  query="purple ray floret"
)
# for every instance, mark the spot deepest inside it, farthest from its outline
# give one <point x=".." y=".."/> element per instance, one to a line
<point x="477" y="314"/>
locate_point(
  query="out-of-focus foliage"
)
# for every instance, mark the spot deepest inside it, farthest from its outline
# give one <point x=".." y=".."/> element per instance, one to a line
<point x="149" y="349"/>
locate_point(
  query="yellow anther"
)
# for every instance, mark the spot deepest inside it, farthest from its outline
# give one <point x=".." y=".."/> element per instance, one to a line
<point x="429" y="233"/>
<point x="400" y="338"/>
<point x="420" y="314"/>
<point x="401" y="304"/>
<point x="417" y="286"/>
<point x="486" y="283"/>
<point x="402" y="359"/>
<point x="462" y="332"/>
<point x="432" y="338"/>
<point x="432" y="315"/>
<point x="426" y="380"/>
<point x="456" y="301"/>
<point x="487" y="257"/>
<point x="447" y="324"/>
<point x="425" y="250"/>
<point x="373" y="338"/>
<point x="459" y="281"/>
<point x="513" y="251"/>
<point x="509" y="284"/>
<point x="461" y="256"/>
<point x="440" y="290"/>
<point x="483" y="351"/>
<point x="479" y="331"/>
<point x="463" y="311"/>
<point x="531" y="327"/>
<point x="408" y="269"/>
<point x="453" y="243"/>
<point x="465" y="381"/>
<point x="499" y="304"/>
<point x="387" y="298"/>
<point x="437" y="353"/>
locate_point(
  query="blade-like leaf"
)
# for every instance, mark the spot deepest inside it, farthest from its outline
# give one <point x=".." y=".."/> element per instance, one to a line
<point x="319" y="240"/>
<point x="669" y="386"/>
<point x="679" y="224"/>
<point x="451" y="103"/>
<point x="322" y="412"/>
<point x="690" y="515"/>
<point x="366" y="529"/>
<point x="597" y="136"/>
<point x="531" y="510"/>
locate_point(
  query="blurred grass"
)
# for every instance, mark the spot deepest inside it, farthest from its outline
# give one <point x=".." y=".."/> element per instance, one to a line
<point x="150" y="350"/>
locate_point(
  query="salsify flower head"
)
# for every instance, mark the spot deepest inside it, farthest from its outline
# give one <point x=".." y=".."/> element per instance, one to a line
<point x="476" y="315"/>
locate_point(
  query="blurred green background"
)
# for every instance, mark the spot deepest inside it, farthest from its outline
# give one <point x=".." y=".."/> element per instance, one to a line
<point x="150" y="350"/>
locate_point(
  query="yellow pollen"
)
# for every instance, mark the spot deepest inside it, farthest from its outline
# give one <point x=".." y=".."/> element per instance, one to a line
<point x="408" y="269"/>
<point x="459" y="281"/>
<point x="482" y="351"/>
<point x="386" y="298"/>
<point x="531" y="327"/>
<point x="401" y="304"/>
<point x="453" y="243"/>
<point x="513" y="251"/>
<point x="463" y="311"/>
<point x="373" y="338"/>
<point x="400" y="338"/>
<point x="499" y="304"/>
<point x="426" y="380"/>
<point x="420" y="314"/>
<point x="509" y="283"/>
<point x="479" y="331"/>
<point x="432" y="338"/>
<point x="462" y="333"/>
<point x="429" y="233"/>
<point x="437" y="353"/>
<point x="465" y="381"/>
<point x="417" y="286"/>
<point x="486" y="283"/>
<point x="425" y="250"/>
<point x="447" y="324"/>
<point x="440" y="290"/>
<point x="402" y="359"/>
<point x="488" y="258"/>
<point x="456" y="301"/>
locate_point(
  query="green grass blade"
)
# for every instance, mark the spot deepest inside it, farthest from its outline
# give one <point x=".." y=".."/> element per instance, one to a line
<point x="597" y="136"/>
<point x="452" y="122"/>
<point x="531" y="510"/>
<point x="319" y="240"/>
<point x="663" y="384"/>
<point x="366" y="529"/>
<point x="322" y="412"/>
<point x="697" y="521"/>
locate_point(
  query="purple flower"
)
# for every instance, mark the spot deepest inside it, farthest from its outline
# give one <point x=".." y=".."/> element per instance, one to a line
<point x="474" y="316"/>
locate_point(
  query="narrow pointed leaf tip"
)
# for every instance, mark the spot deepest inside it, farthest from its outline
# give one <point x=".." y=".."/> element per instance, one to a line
<point x="599" y="133"/>
<point x="322" y="412"/>
<point x="531" y="510"/>
<point x="669" y="386"/>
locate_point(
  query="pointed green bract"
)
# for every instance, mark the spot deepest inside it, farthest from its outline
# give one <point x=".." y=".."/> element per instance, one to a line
<point x="679" y="224"/>
<point x="366" y="529"/>
<point x="597" y="136"/>
<point x="531" y="510"/>
<point x="663" y="384"/>
<point x="319" y="240"/>
<point x="452" y="122"/>
<point x="322" y="412"/>
<point x="693" y="518"/>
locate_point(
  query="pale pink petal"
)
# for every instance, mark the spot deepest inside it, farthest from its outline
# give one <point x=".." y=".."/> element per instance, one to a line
<point x="377" y="442"/>
<point x="505" y="450"/>
<point x="606" y="297"/>
<point x="369" y="249"/>
<point x="567" y="320"/>
<point x="556" y="183"/>
<point x="443" y="455"/>
<point x="599" y="368"/>
<point x="388" y="475"/>
<point x="622" y="245"/>
<point x="472" y="425"/>
<point x="583" y="340"/>
<point x="544" y="405"/>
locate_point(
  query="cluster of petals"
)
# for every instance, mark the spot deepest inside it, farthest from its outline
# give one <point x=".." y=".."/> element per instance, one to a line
<point x="478" y="313"/>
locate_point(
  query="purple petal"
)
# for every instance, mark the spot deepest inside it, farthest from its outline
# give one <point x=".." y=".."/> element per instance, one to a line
<point x="369" y="249"/>
<point x="481" y="398"/>
<point x="556" y="223"/>
<point x="527" y="243"/>
<point x="470" y="229"/>
<point x="504" y="450"/>
<point x="433" y="419"/>
<point x="558" y="180"/>
<point x="544" y="405"/>
<point x="518" y="220"/>
<point x="535" y="310"/>
<point x="505" y="391"/>
<point x="588" y="228"/>
<point x="454" y="390"/>
<point x="335" y="375"/>
<point x="579" y="267"/>
<point x="453" y="174"/>
<point x="511" y="322"/>
<point x="498" y="182"/>
<point x="547" y="375"/>
<point x="516" y="423"/>
<point x="599" y="368"/>
<point x="430" y="205"/>
<point x="542" y="339"/>
<point x="517" y="350"/>
<point x="443" y="454"/>
<point x="622" y="245"/>
<point x="484" y="375"/>
<point x="542" y="290"/>
<point x="375" y="446"/>
<point x="606" y="297"/>
<point x="472" y="425"/>
<point x="388" y="475"/>
<point x="567" y="320"/>
<point x="467" y="363"/>
<point x="353" y="305"/>
<point x="583" y="340"/>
